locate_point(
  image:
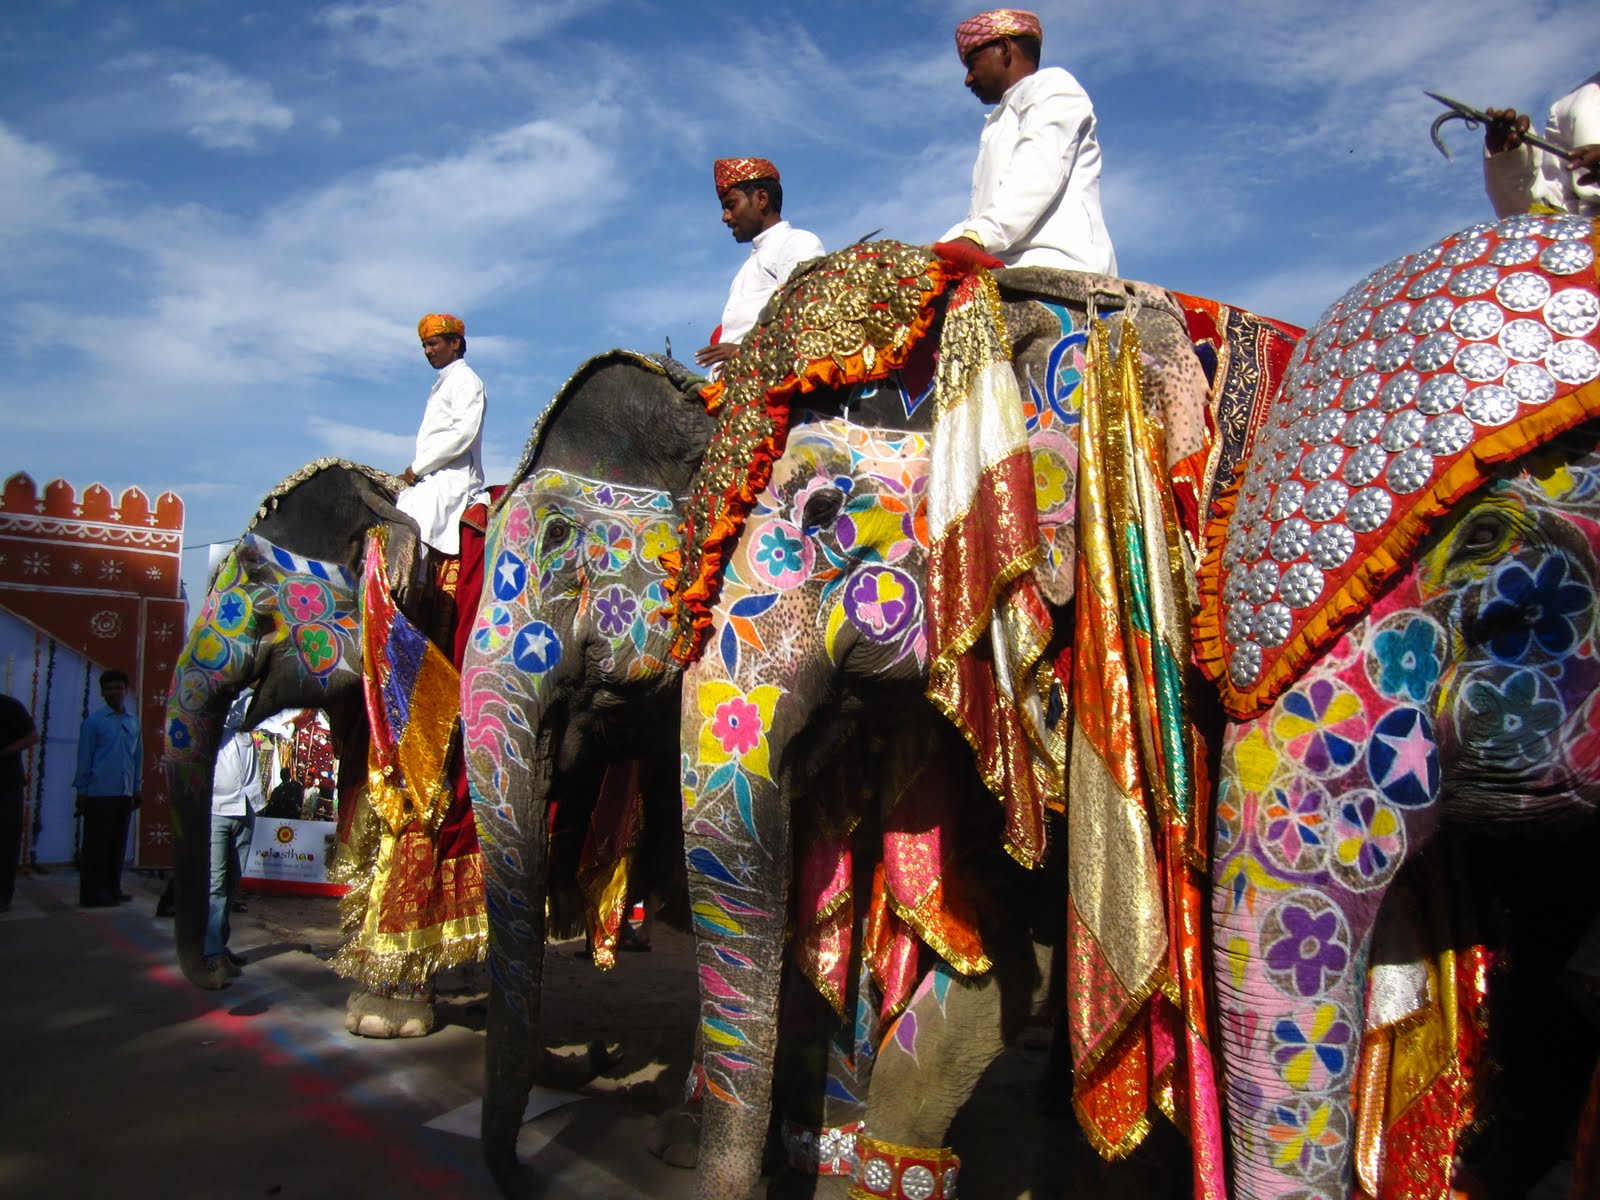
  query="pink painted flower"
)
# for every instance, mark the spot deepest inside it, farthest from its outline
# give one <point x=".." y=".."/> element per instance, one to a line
<point x="737" y="725"/>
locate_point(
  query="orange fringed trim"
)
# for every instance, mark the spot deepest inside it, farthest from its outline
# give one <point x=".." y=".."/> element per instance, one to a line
<point x="700" y="595"/>
<point x="1382" y="562"/>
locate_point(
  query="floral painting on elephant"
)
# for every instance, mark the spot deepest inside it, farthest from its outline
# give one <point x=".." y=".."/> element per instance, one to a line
<point x="1400" y="612"/>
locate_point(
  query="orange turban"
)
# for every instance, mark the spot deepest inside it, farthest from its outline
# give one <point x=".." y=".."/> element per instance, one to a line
<point x="729" y="171"/>
<point x="992" y="26"/>
<point x="438" y="324"/>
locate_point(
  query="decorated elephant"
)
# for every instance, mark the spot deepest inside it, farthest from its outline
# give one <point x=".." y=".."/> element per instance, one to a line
<point x="567" y="687"/>
<point x="1401" y="616"/>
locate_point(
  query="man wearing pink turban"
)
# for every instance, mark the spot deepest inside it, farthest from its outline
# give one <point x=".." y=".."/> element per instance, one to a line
<point x="1036" y="184"/>
<point x="447" y="468"/>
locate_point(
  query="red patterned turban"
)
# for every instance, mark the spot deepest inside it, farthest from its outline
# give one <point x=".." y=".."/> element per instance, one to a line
<point x="438" y="324"/>
<point x="729" y="171"/>
<point x="992" y="26"/>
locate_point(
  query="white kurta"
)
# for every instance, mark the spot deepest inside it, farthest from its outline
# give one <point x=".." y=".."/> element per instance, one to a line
<point x="449" y="458"/>
<point x="774" y="254"/>
<point x="1036" y="184"/>
<point x="1518" y="179"/>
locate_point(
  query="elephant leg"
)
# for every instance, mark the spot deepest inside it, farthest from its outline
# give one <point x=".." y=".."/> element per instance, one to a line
<point x="515" y="868"/>
<point x="377" y="1015"/>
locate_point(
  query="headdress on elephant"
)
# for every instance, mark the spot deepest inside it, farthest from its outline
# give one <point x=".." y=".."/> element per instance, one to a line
<point x="991" y="26"/>
<point x="439" y="324"/>
<point x="729" y="171"/>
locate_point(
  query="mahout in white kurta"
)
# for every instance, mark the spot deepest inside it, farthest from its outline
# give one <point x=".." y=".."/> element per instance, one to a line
<point x="1518" y="179"/>
<point x="449" y="458"/>
<point x="774" y="254"/>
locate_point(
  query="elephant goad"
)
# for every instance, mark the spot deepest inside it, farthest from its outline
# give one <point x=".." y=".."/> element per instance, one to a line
<point x="1401" y="615"/>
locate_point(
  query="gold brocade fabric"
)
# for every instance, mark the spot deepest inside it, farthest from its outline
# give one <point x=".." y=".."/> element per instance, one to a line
<point x="408" y="913"/>
<point x="413" y="699"/>
<point x="609" y="850"/>
<point x="988" y="623"/>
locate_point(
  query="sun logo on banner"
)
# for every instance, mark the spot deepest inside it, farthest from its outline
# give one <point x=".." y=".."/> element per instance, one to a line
<point x="285" y="835"/>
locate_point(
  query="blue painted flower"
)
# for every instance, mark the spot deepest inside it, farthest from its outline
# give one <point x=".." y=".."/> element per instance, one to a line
<point x="1408" y="660"/>
<point x="1515" y="722"/>
<point x="1534" y="608"/>
<point x="1313" y="1045"/>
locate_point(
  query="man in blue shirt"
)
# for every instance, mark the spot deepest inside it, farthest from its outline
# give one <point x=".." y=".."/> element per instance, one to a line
<point x="107" y="784"/>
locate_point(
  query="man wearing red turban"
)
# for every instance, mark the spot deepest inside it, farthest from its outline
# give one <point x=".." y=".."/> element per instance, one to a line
<point x="752" y="209"/>
<point x="448" y="465"/>
<point x="1036" y="184"/>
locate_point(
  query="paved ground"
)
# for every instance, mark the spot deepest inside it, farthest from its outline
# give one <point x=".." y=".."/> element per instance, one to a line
<point x="121" y="1079"/>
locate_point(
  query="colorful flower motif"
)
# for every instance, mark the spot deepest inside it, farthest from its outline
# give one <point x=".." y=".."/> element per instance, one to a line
<point x="517" y="525"/>
<point x="318" y="647"/>
<point x="615" y="610"/>
<point x="1305" y="1134"/>
<point x="178" y="735"/>
<point x="1306" y="943"/>
<point x="1369" y="840"/>
<point x="655" y="539"/>
<point x="1292" y="824"/>
<point x="1312" y="1050"/>
<point x="1535" y="608"/>
<point x="493" y="629"/>
<point x="305" y="599"/>
<point x="735" y="725"/>
<point x="881" y="602"/>
<point x="1051" y="480"/>
<point x="1321" y="725"/>
<point x="783" y="557"/>
<point x="1514" y="723"/>
<point x="607" y="546"/>
<point x="211" y="649"/>
<point x="1405" y="662"/>
<point x="1403" y="758"/>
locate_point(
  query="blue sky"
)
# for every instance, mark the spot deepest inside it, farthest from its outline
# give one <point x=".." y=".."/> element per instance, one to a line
<point x="220" y="222"/>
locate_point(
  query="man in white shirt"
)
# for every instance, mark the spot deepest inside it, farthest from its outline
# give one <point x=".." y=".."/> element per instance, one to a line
<point x="752" y="208"/>
<point x="1036" y="184"/>
<point x="1520" y="177"/>
<point x="236" y="797"/>
<point x="448" y="467"/>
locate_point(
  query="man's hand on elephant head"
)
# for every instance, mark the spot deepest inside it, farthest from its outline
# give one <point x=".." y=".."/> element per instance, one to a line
<point x="717" y="352"/>
<point x="1505" y="129"/>
<point x="409" y="476"/>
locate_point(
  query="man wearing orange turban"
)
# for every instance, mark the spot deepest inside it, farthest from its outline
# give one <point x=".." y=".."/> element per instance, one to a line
<point x="448" y="465"/>
<point x="752" y="209"/>
<point x="1036" y="184"/>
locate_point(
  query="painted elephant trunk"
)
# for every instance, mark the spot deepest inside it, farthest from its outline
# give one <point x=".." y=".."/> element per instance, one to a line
<point x="1303" y="865"/>
<point x="510" y="762"/>
<point x="189" y="793"/>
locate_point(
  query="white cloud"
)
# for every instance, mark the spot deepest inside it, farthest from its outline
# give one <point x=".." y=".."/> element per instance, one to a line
<point x="360" y="444"/>
<point x="432" y="33"/>
<point x="224" y="110"/>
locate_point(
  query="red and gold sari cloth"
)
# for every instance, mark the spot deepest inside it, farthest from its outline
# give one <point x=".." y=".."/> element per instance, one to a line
<point x="410" y="848"/>
<point x="1135" y="821"/>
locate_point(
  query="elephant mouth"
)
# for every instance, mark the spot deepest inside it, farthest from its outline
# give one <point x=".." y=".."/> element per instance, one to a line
<point x="1490" y="796"/>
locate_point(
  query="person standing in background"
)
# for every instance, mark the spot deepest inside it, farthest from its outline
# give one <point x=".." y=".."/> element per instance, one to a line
<point x="107" y="784"/>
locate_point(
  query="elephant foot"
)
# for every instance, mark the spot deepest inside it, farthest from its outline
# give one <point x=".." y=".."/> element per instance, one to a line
<point x="675" y="1140"/>
<point x="215" y="974"/>
<point x="367" y="1014"/>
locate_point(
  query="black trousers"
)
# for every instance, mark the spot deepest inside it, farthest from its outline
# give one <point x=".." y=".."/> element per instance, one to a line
<point x="105" y="836"/>
<point x="10" y="840"/>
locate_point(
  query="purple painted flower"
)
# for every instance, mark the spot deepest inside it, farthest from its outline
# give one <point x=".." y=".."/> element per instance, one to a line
<point x="1309" y="949"/>
<point x="880" y="602"/>
<point x="614" y="611"/>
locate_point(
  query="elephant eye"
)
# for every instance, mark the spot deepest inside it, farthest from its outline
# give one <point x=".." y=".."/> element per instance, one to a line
<point x="1485" y="532"/>
<point x="556" y="533"/>
<point x="821" y="508"/>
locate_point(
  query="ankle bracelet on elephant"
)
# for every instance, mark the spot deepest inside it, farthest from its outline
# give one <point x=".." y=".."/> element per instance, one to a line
<point x="888" y="1171"/>
<point x="827" y="1151"/>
